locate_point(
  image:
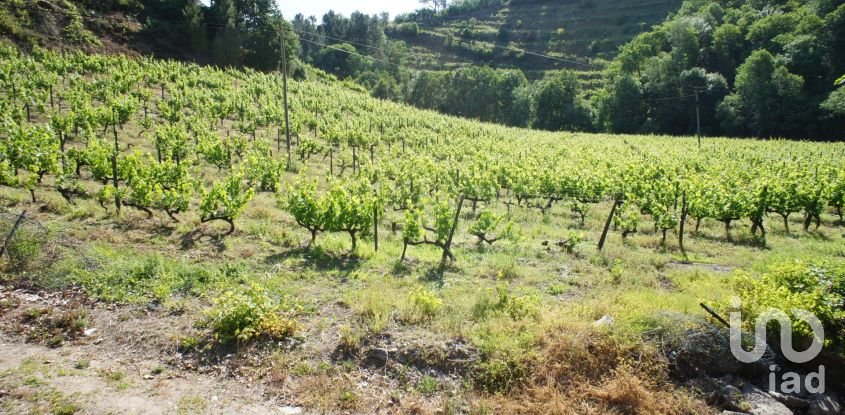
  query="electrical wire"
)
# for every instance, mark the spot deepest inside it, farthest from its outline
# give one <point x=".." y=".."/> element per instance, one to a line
<point x="350" y="52"/>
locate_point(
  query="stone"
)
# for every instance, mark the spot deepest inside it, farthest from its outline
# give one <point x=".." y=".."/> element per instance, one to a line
<point x="730" y="397"/>
<point x="822" y="404"/>
<point x="290" y="410"/>
<point x="604" y="321"/>
<point x="377" y="356"/>
<point x="761" y="403"/>
<point x="791" y="400"/>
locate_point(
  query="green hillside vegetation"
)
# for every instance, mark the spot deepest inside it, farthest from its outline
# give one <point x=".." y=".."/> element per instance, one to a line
<point x="394" y="258"/>
<point x="584" y="31"/>
<point x="762" y="69"/>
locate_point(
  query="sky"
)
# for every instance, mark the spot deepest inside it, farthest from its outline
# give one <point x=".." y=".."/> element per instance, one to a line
<point x="291" y="8"/>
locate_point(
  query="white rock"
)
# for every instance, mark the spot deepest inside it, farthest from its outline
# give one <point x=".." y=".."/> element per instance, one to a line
<point x="291" y="410"/>
<point x="761" y="403"/>
<point x="604" y="321"/>
<point x="89" y="332"/>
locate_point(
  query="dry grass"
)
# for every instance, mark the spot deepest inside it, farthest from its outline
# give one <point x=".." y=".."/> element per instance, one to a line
<point x="592" y="373"/>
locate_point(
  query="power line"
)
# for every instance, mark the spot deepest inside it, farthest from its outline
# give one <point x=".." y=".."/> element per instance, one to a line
<point x="301" y="32"/>
<point x="349" y="52"/>
<point x="526" y="51"/>
<point x="657" y="99"/>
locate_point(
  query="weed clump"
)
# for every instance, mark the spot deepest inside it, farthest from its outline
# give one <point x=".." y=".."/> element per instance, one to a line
<point x="53" y="327"/>
<point x="249" y="314"/>
<point x="516" y="306"/>
<point x="425" y="305"/>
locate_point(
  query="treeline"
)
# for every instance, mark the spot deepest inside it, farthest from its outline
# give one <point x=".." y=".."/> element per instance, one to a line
<point x="764" y="68"/>
<point x="227" y="33"/>
<point x="760" y="68"/>
<point x="356" y="48"/>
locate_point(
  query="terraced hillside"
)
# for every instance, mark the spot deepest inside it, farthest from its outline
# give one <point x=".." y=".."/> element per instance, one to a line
<point x="582" y="31"/>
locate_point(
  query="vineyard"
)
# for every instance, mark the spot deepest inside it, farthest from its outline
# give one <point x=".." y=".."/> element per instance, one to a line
<point x="469" y="207"/>
<point x="64" y="118"/>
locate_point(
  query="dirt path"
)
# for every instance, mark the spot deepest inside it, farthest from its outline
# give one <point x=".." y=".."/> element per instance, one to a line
<point x="121" y="368"/>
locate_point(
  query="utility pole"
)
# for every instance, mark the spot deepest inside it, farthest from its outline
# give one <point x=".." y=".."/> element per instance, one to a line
<point x="285" y="91"/>
<point x="697" y="116"/>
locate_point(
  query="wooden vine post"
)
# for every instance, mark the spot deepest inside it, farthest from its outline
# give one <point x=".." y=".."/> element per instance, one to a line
<point x="447" y="248"/>
<point x="683" y="221"/>
<point x="114" y="162"/>
<point x="285" y="93"/>
<point x="616" y="204"/>
<point x="11" y="234"/>
<point x="375" y="226"/>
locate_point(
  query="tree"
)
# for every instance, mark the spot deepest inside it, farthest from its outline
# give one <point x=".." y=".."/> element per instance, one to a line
<point x="711" y="89"/>
<point x="428" y="90"/>
<point x="835" y="102"/>
<point x="621" y="108"/>
<point x="340" y="59"/>
<point x="227" y="41"/>
<point x="436" y="5"/>
<point x="728" y="49"/>
<point x="195" y="25"/>
<point x="387" y="88"/>
<point x="560" y="105"/>
<point x="766" y="100"/>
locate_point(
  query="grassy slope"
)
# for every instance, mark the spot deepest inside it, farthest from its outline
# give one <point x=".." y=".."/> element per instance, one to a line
<point x="574" y="30"/>
<point x="367" y="298"/>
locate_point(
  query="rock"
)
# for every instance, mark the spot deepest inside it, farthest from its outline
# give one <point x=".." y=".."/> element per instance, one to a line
<point x="291" y="410"/>
<point x="377" y="356"/>
<point x="790" y="400"/>
<point x="731" y="392"/>
<point x="604" y="321"/>
<point x="821" y="404"/>
<point x="89" y="332"/>
<point x="30" y="298"/>
<point x="761" y="403"/>
<point x="730" y="397"/>
<point x="732" y="413"/>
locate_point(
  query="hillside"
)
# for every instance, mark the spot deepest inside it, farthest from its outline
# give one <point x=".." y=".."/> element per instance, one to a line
<point x="74" y="25"/>
<point x="385" y="259"/>
<point x="583" y="31"/>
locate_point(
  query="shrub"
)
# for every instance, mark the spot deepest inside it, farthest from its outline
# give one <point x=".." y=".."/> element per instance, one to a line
<point x="409" y="29"/>
<point x="350" y="338"/>
<point x="23" y="249"/>
<point x="515" y="306"/>
<point x="248" y="314"/>
<point x="819" y="289"/>
<point x="428" y="385"/>
<point x="425" y="303"/>
<point x="499" y="374"/>
<point x="75" y="31"/>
